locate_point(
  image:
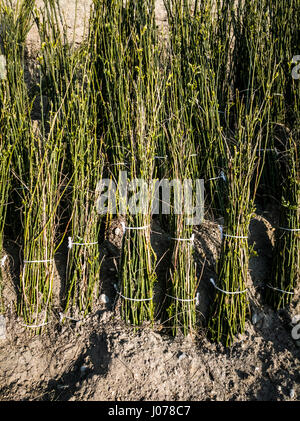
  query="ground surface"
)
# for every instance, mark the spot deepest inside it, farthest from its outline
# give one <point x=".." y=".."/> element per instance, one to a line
<point x="99" y="358"/>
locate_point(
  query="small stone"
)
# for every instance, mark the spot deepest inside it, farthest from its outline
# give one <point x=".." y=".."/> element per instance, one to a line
<point x="112" y="269"/>
<point x="83" y="369"/>
<point x="182" y="356"/>
<point x="117" y="231"/>
<point x="104" y="299"/>
<point x="292" y="393"/>
<point x="279" y="388"/>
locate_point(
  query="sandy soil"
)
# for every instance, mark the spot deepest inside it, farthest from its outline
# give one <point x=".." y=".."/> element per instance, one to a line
<point x="99" y="358"/>
<point x="77" y="19"/>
